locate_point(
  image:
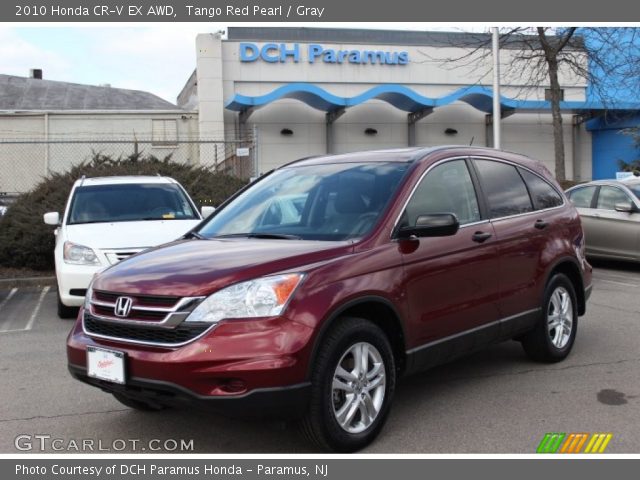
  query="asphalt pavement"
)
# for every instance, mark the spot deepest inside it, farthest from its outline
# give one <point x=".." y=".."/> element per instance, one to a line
<point x="496" y="401"/>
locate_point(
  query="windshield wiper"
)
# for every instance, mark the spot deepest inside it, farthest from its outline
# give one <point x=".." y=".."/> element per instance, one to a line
<point x="194" y="235"/>
<point x="264" y="235"/>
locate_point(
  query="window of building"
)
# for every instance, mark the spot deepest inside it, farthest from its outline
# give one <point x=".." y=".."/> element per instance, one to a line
<point x="547" y="94"/>
<point x="164" y="133"/>
<point x="504" y="188"/>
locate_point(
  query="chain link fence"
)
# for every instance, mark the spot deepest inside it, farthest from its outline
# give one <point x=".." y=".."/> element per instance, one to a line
<point x="24" y="162"/>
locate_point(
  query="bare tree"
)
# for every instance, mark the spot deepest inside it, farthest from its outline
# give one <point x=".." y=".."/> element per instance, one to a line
<point x="606" y="58"/>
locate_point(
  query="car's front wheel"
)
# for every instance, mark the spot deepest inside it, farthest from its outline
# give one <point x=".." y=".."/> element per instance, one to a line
<point x="555" y="333"/>
<point x="352" y="386"/>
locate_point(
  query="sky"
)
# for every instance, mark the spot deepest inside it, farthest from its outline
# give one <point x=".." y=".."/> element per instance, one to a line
<point x="158" y="59"/>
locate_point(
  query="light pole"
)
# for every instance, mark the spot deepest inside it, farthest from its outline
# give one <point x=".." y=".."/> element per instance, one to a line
<point x="496" y="87"/>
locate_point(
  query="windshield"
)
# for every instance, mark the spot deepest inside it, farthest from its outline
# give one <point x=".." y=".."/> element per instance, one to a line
<point x="314" y="202"/>
<point x="129" y="202"/>
<point x="635" y="189"/>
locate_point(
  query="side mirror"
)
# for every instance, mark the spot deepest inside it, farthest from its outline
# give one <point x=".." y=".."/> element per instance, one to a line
<point x="625" y="207"/>
<point x="432" y="225"/>
<point x="206" y="211"/>
<point x="52" y="218"/>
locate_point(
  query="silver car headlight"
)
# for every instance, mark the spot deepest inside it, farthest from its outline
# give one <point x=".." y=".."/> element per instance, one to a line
<point x="79" y="254"/>
<point x="262" y="297"/>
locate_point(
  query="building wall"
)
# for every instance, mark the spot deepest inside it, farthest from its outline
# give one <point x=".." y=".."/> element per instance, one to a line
<point x="612" y="143"/>
<point x="113" y="134"/>
<point x="427" y="73"/>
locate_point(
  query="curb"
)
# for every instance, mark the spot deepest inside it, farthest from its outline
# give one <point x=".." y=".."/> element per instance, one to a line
<point x="27" y="282"/>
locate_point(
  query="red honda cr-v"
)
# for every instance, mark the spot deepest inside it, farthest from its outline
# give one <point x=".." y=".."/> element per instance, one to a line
<point x="311" y="291"/>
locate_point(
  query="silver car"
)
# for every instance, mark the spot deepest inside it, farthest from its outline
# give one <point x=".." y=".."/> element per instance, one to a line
<point x="610" y="212"/>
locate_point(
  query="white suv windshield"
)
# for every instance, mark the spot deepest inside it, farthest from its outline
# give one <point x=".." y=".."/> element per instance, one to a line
<point x="129" y="202"/>
<point x="314" y="202"/>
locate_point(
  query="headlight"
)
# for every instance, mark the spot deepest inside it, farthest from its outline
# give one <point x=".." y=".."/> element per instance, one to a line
<point x="262" y="297"/>
<point x="79" y="255"/>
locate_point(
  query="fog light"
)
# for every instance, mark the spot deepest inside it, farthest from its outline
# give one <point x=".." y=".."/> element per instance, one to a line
<point x="233" y="385"/>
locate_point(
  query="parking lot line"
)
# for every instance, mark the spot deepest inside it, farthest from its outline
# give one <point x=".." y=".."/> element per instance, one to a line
<point x="618" y="283"/>
<point x="34" y="314"/>
<point x="602" y="273"/>
<point x="11" y="294"/>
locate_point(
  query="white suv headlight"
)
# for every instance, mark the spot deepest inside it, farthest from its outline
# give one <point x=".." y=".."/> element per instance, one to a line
<point x="262" y="297"/>
<point x="79" y="255"/>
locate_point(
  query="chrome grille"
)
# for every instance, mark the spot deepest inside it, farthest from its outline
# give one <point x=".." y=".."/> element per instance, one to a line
<point x="136" y="334"/>
<point x="152" y="319"/>
<point x="115" y="256"/>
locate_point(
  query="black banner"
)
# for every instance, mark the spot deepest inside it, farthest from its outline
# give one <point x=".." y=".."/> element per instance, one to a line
<point x="540" y="11"/>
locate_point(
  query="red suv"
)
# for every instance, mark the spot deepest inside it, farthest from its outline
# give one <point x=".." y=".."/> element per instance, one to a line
<point x="312" y="290"/>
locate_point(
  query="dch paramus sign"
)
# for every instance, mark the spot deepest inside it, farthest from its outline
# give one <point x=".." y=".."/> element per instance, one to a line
<point x="315" y="53"/>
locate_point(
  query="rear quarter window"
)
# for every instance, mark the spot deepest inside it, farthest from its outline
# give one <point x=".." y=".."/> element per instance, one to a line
<point x="504" y="188"/>
<point x="542" y="193"/>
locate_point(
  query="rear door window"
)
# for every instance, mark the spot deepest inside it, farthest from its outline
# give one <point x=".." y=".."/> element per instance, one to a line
<point x="504" y="188"/>
<point x="609" y="196"/>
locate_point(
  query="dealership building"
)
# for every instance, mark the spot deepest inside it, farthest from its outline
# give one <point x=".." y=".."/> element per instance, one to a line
<point x="310" y="91"/>
<point x="260" y="97"/>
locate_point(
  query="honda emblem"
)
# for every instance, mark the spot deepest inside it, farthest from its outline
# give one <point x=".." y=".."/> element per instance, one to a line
<point x="123" y="306"/>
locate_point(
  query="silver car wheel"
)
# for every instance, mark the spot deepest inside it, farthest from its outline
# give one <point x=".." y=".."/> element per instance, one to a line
<point x="560" y="317"/>
<point x="358" y="387"/>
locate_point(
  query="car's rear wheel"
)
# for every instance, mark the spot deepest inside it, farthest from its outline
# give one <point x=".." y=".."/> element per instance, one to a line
<point x="554" y="335"/>
<point x="66" y="312"/>
<point x="352" y="386"/>
<point x="137" y="404"/>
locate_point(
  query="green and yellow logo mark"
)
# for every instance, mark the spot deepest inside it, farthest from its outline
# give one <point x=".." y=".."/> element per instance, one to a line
<point x="573" y="442"/>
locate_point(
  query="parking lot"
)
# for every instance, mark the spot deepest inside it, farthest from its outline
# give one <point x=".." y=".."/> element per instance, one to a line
<point x="495" y="401"/>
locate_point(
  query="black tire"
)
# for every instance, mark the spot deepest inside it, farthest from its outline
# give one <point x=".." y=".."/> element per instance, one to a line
<point x="65" y="311"/>
<point x="137" y="404"/>
<point x="542" y="344"/>
<point x="320" y="424"/>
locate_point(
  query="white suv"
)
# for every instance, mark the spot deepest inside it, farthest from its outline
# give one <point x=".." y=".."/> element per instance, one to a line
<point x="107" y="219"/>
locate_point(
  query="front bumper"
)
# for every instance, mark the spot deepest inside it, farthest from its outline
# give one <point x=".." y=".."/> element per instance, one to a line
<point x="74" y="277"/>
<point x="285" y="402"/>
<point x="226" y="369"/>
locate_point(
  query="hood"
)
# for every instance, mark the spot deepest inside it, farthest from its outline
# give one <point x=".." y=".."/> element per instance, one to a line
<point x="128" y="234"/>
<point x="200" y="267"/>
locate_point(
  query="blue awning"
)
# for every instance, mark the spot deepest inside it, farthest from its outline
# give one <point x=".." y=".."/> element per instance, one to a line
<point x="407" y="99"/>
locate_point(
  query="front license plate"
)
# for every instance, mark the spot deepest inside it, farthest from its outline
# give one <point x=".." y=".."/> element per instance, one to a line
<point x="105" y="364"/>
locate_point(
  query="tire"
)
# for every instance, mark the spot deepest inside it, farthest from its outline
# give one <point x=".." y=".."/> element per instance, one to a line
<point x="553" y="337"/>
<point x="362" y="402"/>
<point x="65" y="311"/>
<point x="137" y="404"/>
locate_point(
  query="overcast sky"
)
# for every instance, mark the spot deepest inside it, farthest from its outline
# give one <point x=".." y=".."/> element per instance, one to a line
<point x="158" y="59"/>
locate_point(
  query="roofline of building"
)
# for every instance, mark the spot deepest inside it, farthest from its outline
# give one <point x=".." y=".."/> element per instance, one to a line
<point x="97" y="112"/>
<point x="377" y="37"/>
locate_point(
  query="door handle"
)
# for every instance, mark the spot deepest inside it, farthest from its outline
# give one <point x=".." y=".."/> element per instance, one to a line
<point x="540" y="224"/>
<point x="480" y="237"/>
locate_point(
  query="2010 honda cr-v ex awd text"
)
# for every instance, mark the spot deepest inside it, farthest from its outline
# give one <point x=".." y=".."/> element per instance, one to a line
<point x="311" y="291"/>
